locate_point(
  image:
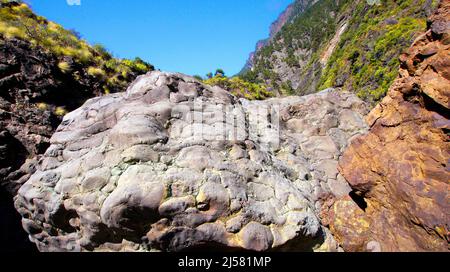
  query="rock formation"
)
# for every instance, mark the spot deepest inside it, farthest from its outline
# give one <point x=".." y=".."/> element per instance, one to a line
<point x="173" y="164"/>
<point x="399" y="171"/>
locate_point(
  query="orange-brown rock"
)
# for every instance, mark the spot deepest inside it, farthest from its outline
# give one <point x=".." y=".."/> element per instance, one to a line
<point x="399" y="171"/>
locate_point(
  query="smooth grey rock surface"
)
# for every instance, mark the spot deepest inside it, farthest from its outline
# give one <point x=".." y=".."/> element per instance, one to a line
<point x="173" y="164"/>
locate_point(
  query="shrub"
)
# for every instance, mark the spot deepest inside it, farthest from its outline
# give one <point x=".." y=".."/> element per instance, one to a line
<point x="286" y="88"/>
<point x="42" y="106"/>
<point x="219" y="72"/>
<point x="64" y="67"/>
<point x="106" y="90"/>
<point x="96" y="72"/>
<point x="102" y="51"/>
<point x="240" y="88"/>
<point x="137" y="65"/>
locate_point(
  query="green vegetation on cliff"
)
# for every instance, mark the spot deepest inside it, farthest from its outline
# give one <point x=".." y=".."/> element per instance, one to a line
<point x="294" y="49"/>
<point x="18" y="21"/>
<point x="366" y="59"/>
<point x="238" y="86"/>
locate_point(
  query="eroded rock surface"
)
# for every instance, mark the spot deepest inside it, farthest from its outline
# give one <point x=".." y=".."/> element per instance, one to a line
<point x="173" y="165"/>
<point x="399" y="171"/>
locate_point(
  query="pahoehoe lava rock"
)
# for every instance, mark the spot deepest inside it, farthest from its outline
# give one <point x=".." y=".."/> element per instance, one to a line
<point x="399" y="171"/>
<point x="163" y="167"/>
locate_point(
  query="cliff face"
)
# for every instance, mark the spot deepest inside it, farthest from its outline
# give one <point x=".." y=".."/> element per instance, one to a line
<point x="399" y="171"/>
<point x="339" y="43"/>
<point x="281" y="60"/>
<point x="293" y="10"/>
<point x="284" y="17"/>
<point x="365" y="60"/>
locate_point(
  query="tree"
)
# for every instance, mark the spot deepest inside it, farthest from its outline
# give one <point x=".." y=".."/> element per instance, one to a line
<point x="102" y="51"/>
<point x="219" y="72"/>
<point x="209" y="75"/>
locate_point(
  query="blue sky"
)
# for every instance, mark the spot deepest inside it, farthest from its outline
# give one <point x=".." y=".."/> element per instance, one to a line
<point x="188" y="36"/>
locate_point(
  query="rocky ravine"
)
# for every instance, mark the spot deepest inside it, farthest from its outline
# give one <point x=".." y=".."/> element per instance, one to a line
<point x="400" y="169"/>
<point x="174" y="165"/>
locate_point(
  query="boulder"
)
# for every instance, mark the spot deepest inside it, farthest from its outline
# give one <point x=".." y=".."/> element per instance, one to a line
<point x="173" y="164"/>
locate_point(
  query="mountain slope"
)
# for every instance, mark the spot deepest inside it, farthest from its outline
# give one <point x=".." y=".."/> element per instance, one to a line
<point x="340" y="43"/>
<point x="76" y="57"/>
<point x="290" y="60"/>
<point x="286" y="16"/>
<point x="367" y="57"/>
